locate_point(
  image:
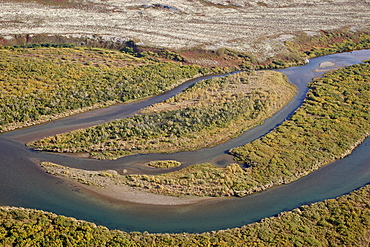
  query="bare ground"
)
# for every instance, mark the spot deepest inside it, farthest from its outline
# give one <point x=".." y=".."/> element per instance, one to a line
<point x="259" y="27"/>
<point x="107" y="184"/>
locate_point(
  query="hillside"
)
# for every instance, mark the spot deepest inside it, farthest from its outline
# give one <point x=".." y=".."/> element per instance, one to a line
<point x="259" y="27"/>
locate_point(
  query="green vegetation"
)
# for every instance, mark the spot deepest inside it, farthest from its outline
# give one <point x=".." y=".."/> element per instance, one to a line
<point x="42" y="83"/>
<point x="329" y="42"/>
<point x="198" y="180"/>
<point x="344" y="221"/>
<point x="313" y="44"/>
<point x="210" y="112"/>
<point x="332" y="121"/>
<point x="164" y="163"/>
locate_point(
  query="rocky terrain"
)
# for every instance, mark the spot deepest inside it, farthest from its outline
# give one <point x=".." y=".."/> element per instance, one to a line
<point x="259" y="27"/>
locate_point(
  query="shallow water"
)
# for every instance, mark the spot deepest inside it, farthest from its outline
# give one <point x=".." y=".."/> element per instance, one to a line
<point x="24" y="184"/>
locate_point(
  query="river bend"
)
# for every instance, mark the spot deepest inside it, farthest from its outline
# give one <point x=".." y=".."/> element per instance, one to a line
<point x="24" y="184"/>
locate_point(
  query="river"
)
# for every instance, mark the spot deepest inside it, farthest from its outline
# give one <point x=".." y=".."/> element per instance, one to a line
<point x="24" y="184"/>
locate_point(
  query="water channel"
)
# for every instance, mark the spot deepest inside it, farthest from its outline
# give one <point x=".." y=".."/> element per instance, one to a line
<point x="24" y="184"/>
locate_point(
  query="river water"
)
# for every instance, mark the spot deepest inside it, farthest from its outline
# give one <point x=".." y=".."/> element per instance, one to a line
<point x="24" y="184"/>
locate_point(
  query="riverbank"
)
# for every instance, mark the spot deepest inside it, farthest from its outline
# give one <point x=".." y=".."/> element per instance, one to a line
<point x="126" y="193"/>
<point x="330" y="124"/>
<point x="42" y="84"/>
<point x="108" y="186"/>
<point x="343" y="221"/>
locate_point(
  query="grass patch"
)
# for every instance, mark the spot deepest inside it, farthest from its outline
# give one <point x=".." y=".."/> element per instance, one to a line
<point x="164" y="163"/>
<point x="329" y="42"/>
<point x="332" y="121"/>
<point x="199" y="180"/>
<point x="43" y="83"/>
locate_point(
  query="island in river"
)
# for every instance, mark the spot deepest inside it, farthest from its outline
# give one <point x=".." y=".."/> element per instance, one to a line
<point x="307" y="239"/>
<point x="332" y="121"/>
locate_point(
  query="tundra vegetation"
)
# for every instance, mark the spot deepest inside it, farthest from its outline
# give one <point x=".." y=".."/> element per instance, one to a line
<point x="332" y="121"/>
<point x="48" y="82"/>
<point x="210" y="112"/>
<point x="164" y="163"/>
<point x="344" y="221"/>
<point x="294" y="50"/>
<point x="329" y="42"/>
<point x="341" y="222"/>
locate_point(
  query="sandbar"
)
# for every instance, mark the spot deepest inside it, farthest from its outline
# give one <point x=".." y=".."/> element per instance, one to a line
<point x="326" y="67"/>
<point x="126" y="193"/>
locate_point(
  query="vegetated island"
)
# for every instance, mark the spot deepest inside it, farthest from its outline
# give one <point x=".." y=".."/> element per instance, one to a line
<point x="164" y="163"/>
<point x="332" y="121"/>
<point x="47" y="82"/>
<point x="208" y="113"/>
<point x="344" y="221"/>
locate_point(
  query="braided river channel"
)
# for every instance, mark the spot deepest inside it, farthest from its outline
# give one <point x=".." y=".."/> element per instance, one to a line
<point x="24" y="184"/>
